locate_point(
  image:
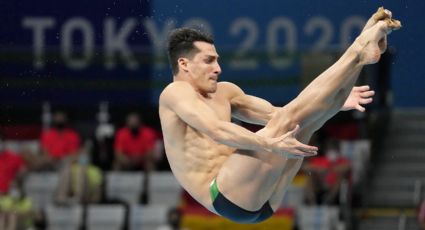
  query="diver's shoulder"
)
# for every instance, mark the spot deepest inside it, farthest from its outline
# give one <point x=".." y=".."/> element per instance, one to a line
<point x="174" y="89"/>
<point x="177" y="85"/>
<point x="230" y="88"/>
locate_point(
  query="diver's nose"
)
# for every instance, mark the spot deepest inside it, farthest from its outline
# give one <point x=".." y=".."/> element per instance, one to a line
<point x="217" y="69"/>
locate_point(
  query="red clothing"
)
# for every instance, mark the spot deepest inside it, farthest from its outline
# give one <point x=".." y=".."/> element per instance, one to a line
<point x="10" y="164"/>
<point x="322" y="162"/>
<point x="59" y="144"/>
<point x="133" y="146"/>
<point x="346" y="131"/>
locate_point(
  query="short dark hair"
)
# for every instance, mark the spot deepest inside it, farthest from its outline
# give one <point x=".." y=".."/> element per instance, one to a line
<point x="180" y="44"/>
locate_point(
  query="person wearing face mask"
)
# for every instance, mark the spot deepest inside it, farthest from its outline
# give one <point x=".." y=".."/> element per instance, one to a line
<point x="134" y="145"/>
<point x="15" y="207"/>
<point x="59" y="143"/>
<point x="134" y="150"/>
<point x="12" y="168"/>
<point x="325" y="174"/>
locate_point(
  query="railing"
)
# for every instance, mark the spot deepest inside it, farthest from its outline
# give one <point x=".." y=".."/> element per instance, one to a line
<point x="345" y="204"/>
<point x="402" y="222"/>
<point x="417" y="192"/>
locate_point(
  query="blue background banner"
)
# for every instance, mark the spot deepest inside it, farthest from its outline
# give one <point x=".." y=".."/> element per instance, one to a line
<point x="81" y="52"/>
<point x="74" y="52"/>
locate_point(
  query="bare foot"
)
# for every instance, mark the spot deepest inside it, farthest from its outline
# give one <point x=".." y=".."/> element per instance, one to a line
<point x="380" y="14"/>
<point x="393" y="24"/>
<point x="368" y="43"/>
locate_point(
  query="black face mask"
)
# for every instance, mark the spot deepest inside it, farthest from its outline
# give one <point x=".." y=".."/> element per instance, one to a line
<point x="134" y="131"/>
<point x="60" y="125"/>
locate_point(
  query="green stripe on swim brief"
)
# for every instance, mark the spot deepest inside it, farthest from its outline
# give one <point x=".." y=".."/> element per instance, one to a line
<point x="214" y="190"/>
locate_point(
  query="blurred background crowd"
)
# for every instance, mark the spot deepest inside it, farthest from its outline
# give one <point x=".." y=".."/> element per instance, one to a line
<point x="80" y="140"/>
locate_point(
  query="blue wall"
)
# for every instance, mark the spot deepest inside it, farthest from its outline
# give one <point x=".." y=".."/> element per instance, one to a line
<point x="407" y="70"/>
<point x="263" y="32"/>
<point x="88" y="51"/>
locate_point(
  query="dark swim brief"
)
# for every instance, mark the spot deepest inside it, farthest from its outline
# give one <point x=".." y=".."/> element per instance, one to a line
<point x="227" y="209"/>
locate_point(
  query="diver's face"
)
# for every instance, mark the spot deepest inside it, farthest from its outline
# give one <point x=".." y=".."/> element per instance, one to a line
<point x="203" y="68"/>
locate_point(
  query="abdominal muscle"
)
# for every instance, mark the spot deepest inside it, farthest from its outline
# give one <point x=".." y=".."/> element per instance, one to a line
<point x="195" y="160"/>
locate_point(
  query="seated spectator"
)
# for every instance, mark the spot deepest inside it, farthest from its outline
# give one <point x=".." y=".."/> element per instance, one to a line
<point x="15" y="208"/>
<point x="134" y="150"/>
<point x="80" y="183"/>
<point x="326" y="173"/>
<point x="15" y="211"/>
<point x="134" y="145"/>
<point x="59" y="144"/>
<point x="12" y="168"/>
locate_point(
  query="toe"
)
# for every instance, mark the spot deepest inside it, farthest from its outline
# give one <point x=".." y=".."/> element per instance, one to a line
<point x="389" y="13"/>
<point x="395" y="24"/>
<point x="382" y="14"/>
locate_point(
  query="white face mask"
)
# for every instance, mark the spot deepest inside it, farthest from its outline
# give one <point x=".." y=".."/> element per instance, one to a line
<point x="332" y="154"/>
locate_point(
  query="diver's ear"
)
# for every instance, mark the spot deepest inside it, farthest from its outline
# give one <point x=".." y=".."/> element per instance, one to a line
<point x="182" y="63"/>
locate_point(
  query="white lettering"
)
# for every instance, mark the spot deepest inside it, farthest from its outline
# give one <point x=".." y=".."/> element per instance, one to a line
<point x="68" y="30"/>
<point x="117" y="42"/>
<point x="320" y="23"/>
<point x="38" y="26"/>
<point x="350" y="24"/>
<point x="158" y="39"/>
<point x="199" y="23"/>
<point x="272" y="45"/>
<point x="241" y="59"/>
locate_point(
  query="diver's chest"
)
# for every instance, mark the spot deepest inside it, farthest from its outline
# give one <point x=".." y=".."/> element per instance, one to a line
<point x="221" y="107"/>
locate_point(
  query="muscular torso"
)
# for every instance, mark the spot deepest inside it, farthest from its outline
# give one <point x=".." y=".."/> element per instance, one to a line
<point x="193" y="156"/>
